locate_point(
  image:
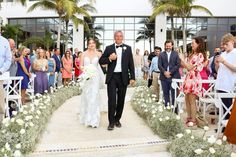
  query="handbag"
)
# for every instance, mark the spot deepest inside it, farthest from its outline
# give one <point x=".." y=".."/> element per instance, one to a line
<point x="201" y="121"/>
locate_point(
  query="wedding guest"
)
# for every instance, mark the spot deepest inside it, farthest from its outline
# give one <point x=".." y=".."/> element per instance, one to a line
<point x="205" y="73"/>
<point x="154" y="73"/>
<point x="77" y="65"/>
<point x="23" y="70"/>
<point x="75" y="55"/>
<point x="13" y="67"/>
<point x="67" y="68"/>
<point x="5" y="62"/>
<point x="12" y="70"/>
<point x="51" y="69"/>
<point x="57" y="59"/>
<point x="226" y="69"/>
<point x="192" y="86"/>
<point x="41" y="68"/>
<point x="137" y="63"/>
<point x="145" y="65"/>
<point x="211" y="66"/>
<point x="231" y="127"/>
<point x="150" y="57"/>
<point x="168" y="64"/>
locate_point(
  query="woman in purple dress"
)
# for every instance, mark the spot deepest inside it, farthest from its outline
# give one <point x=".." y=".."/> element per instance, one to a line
<point x="41" y="68"/>
<point x="23" y="70"/>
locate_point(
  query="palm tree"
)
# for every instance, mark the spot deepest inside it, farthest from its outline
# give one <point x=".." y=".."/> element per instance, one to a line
<point x="13" y="31"/>
<point x="78" y="10"/>
<point x="163" y="6"/>
<point x="61" y="7"/>
<point x="185" y="9"/>
<point x="92" y="32"/>
<point x="146" y="32"/>
<point x="181" y="8"/>
<point x="46" y="42"/>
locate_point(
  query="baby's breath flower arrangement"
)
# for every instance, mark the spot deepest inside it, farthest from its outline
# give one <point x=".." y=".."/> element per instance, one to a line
<point x="160" y="118"/>
<point x="20" y="134"/>
<point x="188" y="145"/>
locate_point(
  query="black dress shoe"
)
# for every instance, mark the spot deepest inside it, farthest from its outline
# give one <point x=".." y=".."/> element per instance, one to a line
<point x="110" y="127"/>
<point x="118" y="124"/>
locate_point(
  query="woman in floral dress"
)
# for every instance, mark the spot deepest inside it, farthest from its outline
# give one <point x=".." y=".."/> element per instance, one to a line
<point x="192" y="86"/>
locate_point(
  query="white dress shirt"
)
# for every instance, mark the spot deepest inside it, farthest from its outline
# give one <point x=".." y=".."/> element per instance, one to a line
<point x="225" y="77"/>
<point x="5" y="55"/>
<point x="118" y="60"/>
<point x="168" y="58"/>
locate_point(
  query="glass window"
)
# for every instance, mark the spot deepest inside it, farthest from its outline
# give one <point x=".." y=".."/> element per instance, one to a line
<point x="223" y="28"/>
<point x="119" y="26"/>
<point x="129" y="35"/>
<point x="108" y="26"/>
<point x="119" y="20"/>
<point x="108" y="34"/>
<point x="191" y="20"/>
<point x="98" y="20"/>
<point x="129" y="26"/>
<point x="31" y="21"/>
<point x="223" y="21"/>
<point x="139" y="26"/>
<point x="40" y="21"/>
<point x="22" y="21"/>
<point x="138" y="19"/>
<point x="109" y="20"/>
<point x="212" y="21"/>
<point x="129" y="20"/>
<point x="13" y="21"/>
<point x="232" y="21"/>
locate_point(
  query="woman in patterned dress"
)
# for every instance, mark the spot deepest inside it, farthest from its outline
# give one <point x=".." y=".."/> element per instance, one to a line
<point x="192" y="86"/>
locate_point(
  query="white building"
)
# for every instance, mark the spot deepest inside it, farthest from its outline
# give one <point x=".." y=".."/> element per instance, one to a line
<point x="126" y="15"/>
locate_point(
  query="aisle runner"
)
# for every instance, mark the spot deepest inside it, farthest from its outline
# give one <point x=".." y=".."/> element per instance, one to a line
<point x="64" y="135"/>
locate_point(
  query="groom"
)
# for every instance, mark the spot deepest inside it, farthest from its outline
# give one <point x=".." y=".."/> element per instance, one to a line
<point x="120" y="74"/>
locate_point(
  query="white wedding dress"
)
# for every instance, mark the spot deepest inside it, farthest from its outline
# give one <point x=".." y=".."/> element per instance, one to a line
<point x="90" y="105"/>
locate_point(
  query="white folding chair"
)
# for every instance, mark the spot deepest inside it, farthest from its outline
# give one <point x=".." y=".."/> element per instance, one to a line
<point x="30" y="90"/>
<point x="13" y="93"/>
<point x="223" y="110"/>
<point x="179" y="95"/>
<point x="209" y="95"/>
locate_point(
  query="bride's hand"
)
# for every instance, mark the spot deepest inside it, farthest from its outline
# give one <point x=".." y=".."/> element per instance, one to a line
<point x="132" y="82"/>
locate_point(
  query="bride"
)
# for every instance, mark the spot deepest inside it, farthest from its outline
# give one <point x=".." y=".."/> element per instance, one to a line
<point x="90" y="97"/>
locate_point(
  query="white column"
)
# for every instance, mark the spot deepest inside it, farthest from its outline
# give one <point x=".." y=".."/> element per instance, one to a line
<point x="160" y="30"/>
<point x="78" y="37"/>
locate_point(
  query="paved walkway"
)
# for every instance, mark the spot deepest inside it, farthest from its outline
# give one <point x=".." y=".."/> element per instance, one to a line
<point x="66" y="137"/>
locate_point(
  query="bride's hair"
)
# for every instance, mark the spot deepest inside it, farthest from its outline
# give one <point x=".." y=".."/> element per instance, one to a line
<point x="90" y="40"/>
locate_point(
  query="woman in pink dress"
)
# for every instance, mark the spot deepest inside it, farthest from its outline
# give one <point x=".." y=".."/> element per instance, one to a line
<point x="192" y="86"/>
<point x="77" y="65"/>
<point x="67" y="63"/>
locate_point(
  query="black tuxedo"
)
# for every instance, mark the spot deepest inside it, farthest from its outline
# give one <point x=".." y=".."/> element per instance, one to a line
<point x="117" y="82"/>
<point x="174" y="65"/>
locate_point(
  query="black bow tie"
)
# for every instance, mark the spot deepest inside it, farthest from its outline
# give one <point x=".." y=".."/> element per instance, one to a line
<point x="117" y="46"/>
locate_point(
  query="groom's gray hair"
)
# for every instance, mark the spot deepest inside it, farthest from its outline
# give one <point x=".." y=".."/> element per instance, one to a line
<point x="118" y="31"/>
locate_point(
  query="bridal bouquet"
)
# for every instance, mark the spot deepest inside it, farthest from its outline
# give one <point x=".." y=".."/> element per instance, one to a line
<point x="88" y="72"/>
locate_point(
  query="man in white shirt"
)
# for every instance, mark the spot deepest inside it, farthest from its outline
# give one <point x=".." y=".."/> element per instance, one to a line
<point x="5" y="62"/>
<point x="154" y="73"/>
<point x="226" y="69"/>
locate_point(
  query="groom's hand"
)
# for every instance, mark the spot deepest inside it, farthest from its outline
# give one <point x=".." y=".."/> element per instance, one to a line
<point x="113" y="57"/>
<point x="132" y="82"/>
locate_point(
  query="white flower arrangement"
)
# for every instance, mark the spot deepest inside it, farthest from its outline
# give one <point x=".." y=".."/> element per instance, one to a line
<point x="124" y="48"/>
<point x="19" y="135"/>
<point x="202" y="147"/>
<point x="143" y="101"/>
